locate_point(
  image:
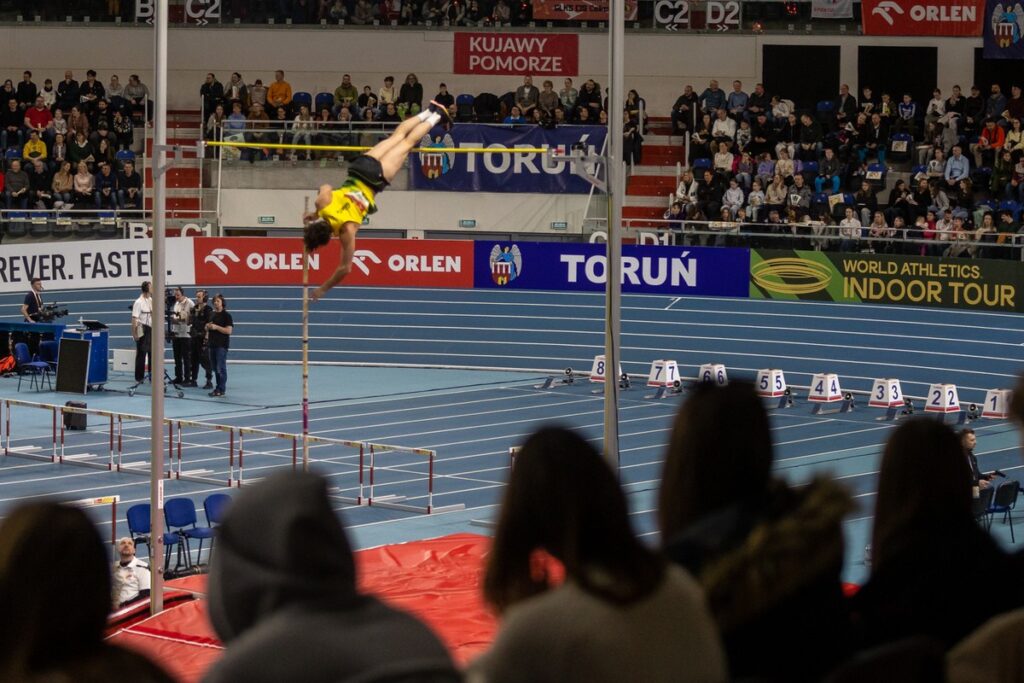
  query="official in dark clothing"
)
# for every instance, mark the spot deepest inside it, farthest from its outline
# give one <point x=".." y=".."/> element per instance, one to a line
<point x="199" y="354"/>
<point x="283" y="598"/>
<point x="969" y="440"/>
<point x="218" y="333"/>
<point x="33" y="302"/>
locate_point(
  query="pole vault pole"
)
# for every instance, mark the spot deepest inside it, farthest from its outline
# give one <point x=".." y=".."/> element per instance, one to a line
<point x="156" y="354"/>
<point x="616" y="182"/>
<point x="305" y="352"/>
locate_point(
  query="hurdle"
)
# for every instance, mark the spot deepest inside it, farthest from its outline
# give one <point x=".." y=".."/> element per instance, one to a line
<point x="396" y="501"/>
<point x="175" y="464"/>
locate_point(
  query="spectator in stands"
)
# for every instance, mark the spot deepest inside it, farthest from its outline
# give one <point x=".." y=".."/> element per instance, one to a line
<point x="77" y="121"/>
<point x="386" y="94"/>
<point x="212" y="92"/>
<point x="54" y="576"/>
<point x="236" y="91"/>
<point x="124" y="130"/>
<point x="27" y="91"/>
<point x="129" y="187"/>
<point x="709" y="194"/>
<point x="733" y="198"/>
<point x="84" y="187"/>
<point x="515" y="116"/>
<point x="632" y="140"/>
<point x="257" y="94"/>
<point x="762" y="135"/>
<point x="283" y="596"/>
<point x="876" y="140"/>
<point x="743" y="136"/>
<point x="12" y="121"/>
<point x="686" y="192"/>
<point x="743" y="169"/>
<point x="850" y="230"/>
<point x="765" y="169"/>
<point x="568" y="95"/>
<point x="956" y="103"/>
<point x="1014" y="107"/>
<point x="48" y="94"/>
<point x="101" y="114"/>
<point x="590" y="98"/>
<point x="527" y="96"/>
<point x="137" y="95"/>
<point x="724" y="128"/>
<point x="995" y="105"/>
<point x="256" y="132"/>
<point x="957" y="167"/>
<point x="34" y="148"/>
<point x="786" y="135"/>
<point x="906" y="119"/>
<point x="39" y="119"/>
<point x="547" y="100"/>
<point x="302" y="131"/>
<point x="105" y="187"/>
<point x="67" y="92"/>
<point x="929" y="555"/>
<point x="345" y="94"/>
<point x="866" y="201"/>
<point x="618" y="583"/>
<point x="974" y="111"/>
<point x="757" y="103"/>
<point x="16" y="186"/>
<point x="732" y="537"/>
<point x="280" y="92"/>
<point x="868" y="102"/>
<point x="700" y="140"/>
<point x="723" y="160"/>
<point x="62" y="185"/>
<point x="963" y="197"/>
<point x="830" y="172"/>
<point x="799" y="198"/>
<point x="785" y="166"/>
<point x="901" y="202"/>
<point x="131" y="578"/>
<point x="684" y="112"/>
<point x="104" y="150"/>
<point x="880" y="234"/>
<point x="365" y="13"/>
<point x="115" y="91"/>
<point x="781" y="108"/>
<point x="775" y="197"/>
<point x="39" y="185"/>
<point x="844" y="108"/>
<point x="411" y="95"/>
<point x="390" y="114"/>
<point x="936" y="108"/>
<point x="453" y="12"/>
<point x="755" y="201"/>
<point x="90" y="92"/>
<point x="809" y="137"/>
<point x="959" y="238"/>
<point x="736" y="102"/>
<point x="1007" y="229"/>
<point x="1002" y="172"/>
<point x="1014" y="141"/>
<point x="446" y="99"/>
<point x="713" y="98"/>
<point x="989" y="143"/>
<point x="887" y="109"/>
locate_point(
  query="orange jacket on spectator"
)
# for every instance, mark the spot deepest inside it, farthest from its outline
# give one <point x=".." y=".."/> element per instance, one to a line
<point x="995" y="136"/>
<point x="279" y="93"/>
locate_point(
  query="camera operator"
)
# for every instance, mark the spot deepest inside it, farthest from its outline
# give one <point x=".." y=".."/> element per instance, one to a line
<point x="199" y="354"/>
<point x="142" y="330"/>
<point x="182" y="344"/>
<point x="33" y="302"/>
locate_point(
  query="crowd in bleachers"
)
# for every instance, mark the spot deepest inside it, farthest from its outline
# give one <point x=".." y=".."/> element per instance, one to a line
<point x="818" y="175"/>
<point x="70" y="145"/>
<point x="745" y="583"/>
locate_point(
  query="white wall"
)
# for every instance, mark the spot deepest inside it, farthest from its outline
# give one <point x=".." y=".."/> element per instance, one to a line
<point x="657" y="65"/>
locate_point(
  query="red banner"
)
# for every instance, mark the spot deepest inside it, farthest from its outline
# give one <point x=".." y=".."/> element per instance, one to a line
<point x="376" y="262"/>
<point x="934" y="18"/>
<point x="514" y="54"/>
<point x="578" y="10"/>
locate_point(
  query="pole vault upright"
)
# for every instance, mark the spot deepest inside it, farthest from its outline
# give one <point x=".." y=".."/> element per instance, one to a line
<point x="615" y="178"/>
<point x="157" y="162"/>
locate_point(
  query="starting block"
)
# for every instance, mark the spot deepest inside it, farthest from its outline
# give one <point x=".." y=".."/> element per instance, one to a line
<point x="771" y="383"/>
<point x="664" y="376"/>
<point x="825" y="390"/>
<point x="599" y="369"/>
<point x="569" y="378"/>
<point x="997" y="404"/>
<point x="888" y="394"/>
<point x="943" y="399"/>
<point x="713" y="373"/>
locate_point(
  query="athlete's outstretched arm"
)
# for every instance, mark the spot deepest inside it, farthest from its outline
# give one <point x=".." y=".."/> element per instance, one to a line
<point x="347" y="243"/>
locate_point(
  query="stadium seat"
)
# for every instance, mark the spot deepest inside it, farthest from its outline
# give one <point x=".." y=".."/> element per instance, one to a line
<point x="137" y="517"/>
<point x="904" y="140"/>
<point x="876" y="173"/>
<point x="918" y="170"/>
<point x="216" y="505"/>
<point x="464" y="107"/>
<point x="12" y="153"/>
<point x="36" y="370"/>
<point x="1003" y="502"/>
<point x="324" y="100"/>
<point x="83" y="229"/>
<point x="1012" y="207"/>
<point x="125" y="155"/>
<point x="701" y="164"/>
<point x="302" y="98"/>
<point x="48" y="353"/>
<point x="809" y="170"/>
<point x="180" y="514"/>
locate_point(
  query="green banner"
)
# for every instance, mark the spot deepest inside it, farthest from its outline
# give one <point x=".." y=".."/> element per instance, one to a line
<point x="977" y="284"/>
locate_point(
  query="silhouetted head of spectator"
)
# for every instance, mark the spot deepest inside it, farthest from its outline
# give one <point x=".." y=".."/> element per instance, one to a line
<point x="54" y="588"/>
<point x="564" y="500"/>
<point x="719" y="455"/>
<point x="280" y="545"/>
<point x="924" y="482"/>
<point x="90" y="75"/>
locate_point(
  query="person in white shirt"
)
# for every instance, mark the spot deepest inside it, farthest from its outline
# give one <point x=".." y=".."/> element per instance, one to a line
<point x="732" y="200"/>
<point x="936" y="108"/>
<point x="849" y="231"/>
<point x="724" y="128"/>
<point x="142" y="329"/>
<point x="687" y="190"/>
<point x="131" y="579"/>
<point x="182" y="341"/>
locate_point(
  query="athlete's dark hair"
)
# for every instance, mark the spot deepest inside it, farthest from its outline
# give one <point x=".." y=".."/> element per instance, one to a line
<point x="316" y="234"/>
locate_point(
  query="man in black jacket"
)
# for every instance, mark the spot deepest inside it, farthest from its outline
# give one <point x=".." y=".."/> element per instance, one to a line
<point x="198" y="354"/>
<point x="978" y="478"/>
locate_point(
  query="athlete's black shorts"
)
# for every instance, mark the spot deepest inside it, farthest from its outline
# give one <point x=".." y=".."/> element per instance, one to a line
<point x="368" y="170"/>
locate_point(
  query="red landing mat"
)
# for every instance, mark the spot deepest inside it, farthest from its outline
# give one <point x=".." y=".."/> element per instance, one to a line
<point x="437" y="580"/>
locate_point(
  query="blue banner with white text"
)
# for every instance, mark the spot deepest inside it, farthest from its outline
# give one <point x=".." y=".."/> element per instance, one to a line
<point x="678" y="271"/>
<point x="502" y="171"/>
<point x="1003" y="29"/>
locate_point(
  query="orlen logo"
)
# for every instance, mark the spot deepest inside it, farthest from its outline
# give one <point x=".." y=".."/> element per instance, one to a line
<point x="221" y="257"/>
<point x="217" y="257"/>
<point x="883" y="11"/>
<point x="941" y="13"/>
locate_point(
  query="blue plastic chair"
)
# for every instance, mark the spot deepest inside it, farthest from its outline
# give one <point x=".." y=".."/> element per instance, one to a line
<point x="124" y="155"/>
<point x="701" y="164"/>
<point x="1003" y="502"/>
<point x="921" y="168"/>
<point x="324" y="100"/>
<point x="180" y="514"/>
<point x="901" y="137"/>
<point x="216" y="506"/>
<point x="12" y="153"/>
<point x="48" y="353"/>
<point x="302" y="98"/>
<point x="139" y="529"/>
<point x="1011" y="206"/>
<point x="35" y="369"/>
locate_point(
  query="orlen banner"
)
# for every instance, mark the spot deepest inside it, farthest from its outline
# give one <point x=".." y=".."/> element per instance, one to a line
<point x="931" y="18"/>
<point x="505" y="170"/>
<point x="578" y="10"/>
<point x="511" y="54"/>
<point x="376" y="262"/>
<point x="91" y="264"/>
<point x="702" y="271"/>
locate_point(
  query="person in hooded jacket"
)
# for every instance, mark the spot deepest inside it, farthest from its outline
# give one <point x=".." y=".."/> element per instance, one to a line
<point x="283" y="598"/>
<point x="768" y="555"/>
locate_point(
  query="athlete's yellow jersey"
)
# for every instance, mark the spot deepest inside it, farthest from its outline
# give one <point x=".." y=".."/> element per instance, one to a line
<point x="352" y="202"/>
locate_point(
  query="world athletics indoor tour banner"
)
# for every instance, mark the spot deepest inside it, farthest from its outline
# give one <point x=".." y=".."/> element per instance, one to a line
<point x="1003" y="30"/>
<point x="978" y="284"/>
<point x="501" y="171"/>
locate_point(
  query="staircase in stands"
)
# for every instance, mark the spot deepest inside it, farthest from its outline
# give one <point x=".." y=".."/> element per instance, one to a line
<point x="184" y="179"/>
<point x="652" y="181"/>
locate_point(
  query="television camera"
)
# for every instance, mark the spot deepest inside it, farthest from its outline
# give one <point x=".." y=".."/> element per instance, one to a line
<point x="50" y="312"/>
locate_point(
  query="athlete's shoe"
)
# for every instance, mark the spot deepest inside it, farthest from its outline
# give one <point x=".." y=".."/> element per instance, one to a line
<point x="439" y="108"/>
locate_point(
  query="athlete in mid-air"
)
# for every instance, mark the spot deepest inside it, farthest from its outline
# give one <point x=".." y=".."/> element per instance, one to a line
<point x="341" y="212"/>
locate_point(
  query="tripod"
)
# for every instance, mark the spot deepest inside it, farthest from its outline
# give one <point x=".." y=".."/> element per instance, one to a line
<point x="178" y="391"/>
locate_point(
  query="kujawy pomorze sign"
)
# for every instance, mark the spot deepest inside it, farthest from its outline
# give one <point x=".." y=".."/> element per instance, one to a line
<point x="514" y="54"/>
<point x="978" y="284"/>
